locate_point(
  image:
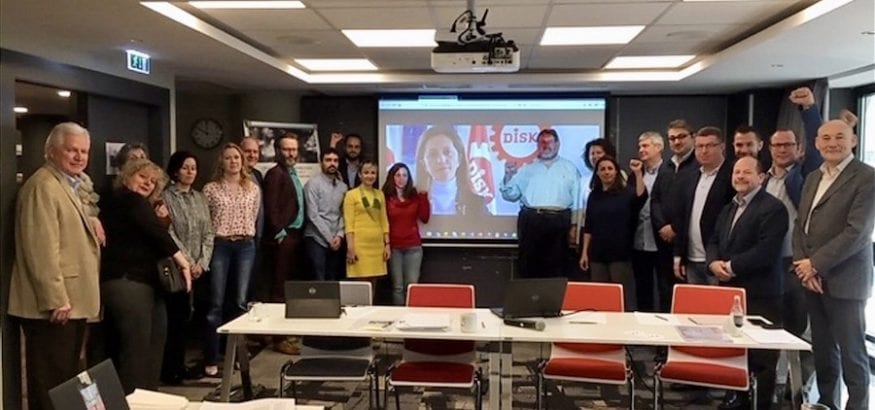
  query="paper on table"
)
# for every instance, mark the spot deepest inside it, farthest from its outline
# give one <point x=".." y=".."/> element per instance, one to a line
<point x="655" y="319"/>
<point x="587" y="318"/>
<point x="424" y="321"/>
<point x="703" y="334"/>
<point x="152" y="400"/>
<point x="260" y="404"/>
<point x="766" y="336"/>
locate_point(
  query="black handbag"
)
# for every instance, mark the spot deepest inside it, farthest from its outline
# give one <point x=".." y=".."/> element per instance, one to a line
<point x="170" y="277"/>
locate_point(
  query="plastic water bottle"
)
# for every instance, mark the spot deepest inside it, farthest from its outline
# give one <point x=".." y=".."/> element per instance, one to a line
<point x="736" y="317"/>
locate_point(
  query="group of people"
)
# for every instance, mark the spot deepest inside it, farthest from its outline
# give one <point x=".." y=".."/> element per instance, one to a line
<point x="795" y="236"/>
<point x="86" y="264"/>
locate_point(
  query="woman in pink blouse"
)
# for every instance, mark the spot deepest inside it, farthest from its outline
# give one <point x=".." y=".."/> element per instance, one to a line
<point x="234" y="201"/>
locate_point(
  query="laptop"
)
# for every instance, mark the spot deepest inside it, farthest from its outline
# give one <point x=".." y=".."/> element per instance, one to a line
<point x="97" y="388"/>
<point x="312" y="299"/>
<point x="532" y="298"/>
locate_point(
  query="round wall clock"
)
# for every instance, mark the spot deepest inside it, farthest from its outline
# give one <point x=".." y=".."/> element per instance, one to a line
<point x="206" y="133"/>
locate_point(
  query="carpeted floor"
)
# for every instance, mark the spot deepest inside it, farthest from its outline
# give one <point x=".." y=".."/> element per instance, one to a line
<point x="339" y="395"/>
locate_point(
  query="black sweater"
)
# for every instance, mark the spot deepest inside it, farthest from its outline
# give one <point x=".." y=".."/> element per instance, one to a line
<point x="135" y="238"/>
<point x="611" y="219"/>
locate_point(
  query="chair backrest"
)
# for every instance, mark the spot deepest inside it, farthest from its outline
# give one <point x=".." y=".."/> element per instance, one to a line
<point x="439" y="295"/>
<point x="601" y="297"/>
<point x="355" y="293"/>
<point x="708" y="300"/>
<point x="351" y="293"/>
<point x="705" y="299"/>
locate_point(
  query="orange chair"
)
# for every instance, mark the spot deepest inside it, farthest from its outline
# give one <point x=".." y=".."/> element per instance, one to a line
<point x="721" y="368"/>
<point x="589" y="362"/>
<point x="437" y="363"/>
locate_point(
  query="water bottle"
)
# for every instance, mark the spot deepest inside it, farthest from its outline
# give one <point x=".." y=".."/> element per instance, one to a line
<point x="736" y="317"/>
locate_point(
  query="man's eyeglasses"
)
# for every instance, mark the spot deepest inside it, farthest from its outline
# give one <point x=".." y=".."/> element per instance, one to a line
<point x="678" y="137"/>
<point x="783" y="145"/>
<point x="710" y="145"/>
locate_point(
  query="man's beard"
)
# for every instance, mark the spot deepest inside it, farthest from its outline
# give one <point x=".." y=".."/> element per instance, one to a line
<point x="290" y="162"/>
<point x="330" y="170"/>
<point x="546" y="156"/>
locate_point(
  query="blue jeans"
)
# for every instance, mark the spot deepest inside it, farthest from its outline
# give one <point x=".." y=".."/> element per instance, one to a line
<point x="698" y="274"/>
<point x="230" y="270"/>
<point x="327" y="264"/>
<point x="404" y="270"/>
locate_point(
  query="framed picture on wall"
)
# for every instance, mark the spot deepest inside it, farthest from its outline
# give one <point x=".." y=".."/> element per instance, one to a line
<point x="268" y="132"/>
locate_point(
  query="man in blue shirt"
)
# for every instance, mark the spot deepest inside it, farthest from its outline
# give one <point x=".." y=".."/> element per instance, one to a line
<point x="548" y="191"/>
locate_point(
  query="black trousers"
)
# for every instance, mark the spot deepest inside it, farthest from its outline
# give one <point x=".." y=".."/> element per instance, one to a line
<point x="796" y="316"/>
<point x="179" y="309"/>
<point x="644" y="266"/>
<point x="543" y="242"/>
<point x="52" y="355"/>
<point x="665" y="279"/>
<point x="763" y="362"/>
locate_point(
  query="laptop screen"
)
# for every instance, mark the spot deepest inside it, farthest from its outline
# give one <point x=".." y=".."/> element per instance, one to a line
<point x="312" y="299"/>
<point x="97" y="388"/>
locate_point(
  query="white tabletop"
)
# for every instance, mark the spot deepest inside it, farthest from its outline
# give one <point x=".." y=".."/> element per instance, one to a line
<point x="619" y="328"/>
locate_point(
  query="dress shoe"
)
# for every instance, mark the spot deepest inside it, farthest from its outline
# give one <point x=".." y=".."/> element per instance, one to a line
<point x="287" y="346"/>
<point x="734" y="400"/>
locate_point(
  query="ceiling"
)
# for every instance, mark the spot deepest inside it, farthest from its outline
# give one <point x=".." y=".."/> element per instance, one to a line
<point x="738" y="44"/>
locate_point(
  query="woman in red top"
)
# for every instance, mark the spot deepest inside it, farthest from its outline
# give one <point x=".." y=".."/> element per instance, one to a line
<point x="404" y="206"/>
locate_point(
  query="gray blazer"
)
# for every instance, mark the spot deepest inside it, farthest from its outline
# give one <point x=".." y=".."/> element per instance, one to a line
<point x="839" y="238"/>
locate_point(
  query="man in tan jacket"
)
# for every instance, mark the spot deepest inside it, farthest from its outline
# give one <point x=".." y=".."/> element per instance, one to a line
<point x="54" y="286"/>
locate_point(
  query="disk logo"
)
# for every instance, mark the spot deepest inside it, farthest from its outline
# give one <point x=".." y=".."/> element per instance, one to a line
<point x="516" y="143"/>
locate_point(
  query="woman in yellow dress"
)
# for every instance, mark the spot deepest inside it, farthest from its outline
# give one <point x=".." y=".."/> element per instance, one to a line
<point x="367" y="228"/>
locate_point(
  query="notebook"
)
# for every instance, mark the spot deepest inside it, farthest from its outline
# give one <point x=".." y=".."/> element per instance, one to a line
<point x="316" y="299"/>
<point x="532" y="298"/>
<point x="96" y="388"/>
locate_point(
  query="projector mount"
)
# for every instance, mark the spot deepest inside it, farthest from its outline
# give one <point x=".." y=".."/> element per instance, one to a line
<point x="467" y="34"/>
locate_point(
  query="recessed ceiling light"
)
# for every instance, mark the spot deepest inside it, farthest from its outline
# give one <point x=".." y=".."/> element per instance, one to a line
<point x="20" y="110"/>
<point x="649" y="61"/>
<point x="336" y="64"/>
<point x="575" y="36"/>
<point x="247" y="4"/>
<point x="391" y="38"/>
<point x="64" y="93"/>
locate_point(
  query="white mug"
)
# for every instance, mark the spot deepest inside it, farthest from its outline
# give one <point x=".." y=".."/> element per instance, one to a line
<point x="469" y="322"/>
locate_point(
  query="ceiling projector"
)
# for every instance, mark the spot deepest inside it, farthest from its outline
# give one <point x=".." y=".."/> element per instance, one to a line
<point x="472" y="50"/>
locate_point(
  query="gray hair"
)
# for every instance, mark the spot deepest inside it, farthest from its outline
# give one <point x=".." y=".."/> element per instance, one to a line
<point x="654" y="137"/>
<point x="56" y="137"/>
<point x="122" y="156"/>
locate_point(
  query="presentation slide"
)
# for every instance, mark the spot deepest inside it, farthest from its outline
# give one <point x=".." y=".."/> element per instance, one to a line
<point x="457" y="148"/>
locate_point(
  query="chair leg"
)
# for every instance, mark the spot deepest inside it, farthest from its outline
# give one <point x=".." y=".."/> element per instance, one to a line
<point x="295" y="390"/>
<point x="539" y="384"/>
<point x="397" y="398"/>
<point x="281" y="389"/>
<point x="631" y="393"/>
<point x="753" y="392"/>
<point x="478" y="401"/>
<point x="657" y="390"/>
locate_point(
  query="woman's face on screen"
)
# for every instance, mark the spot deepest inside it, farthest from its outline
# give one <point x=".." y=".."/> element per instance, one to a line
<point x="596" y="152"/>
<point x="441" y="158"/>
<point x="400" y="178"/>
<point x="607" y="172"/>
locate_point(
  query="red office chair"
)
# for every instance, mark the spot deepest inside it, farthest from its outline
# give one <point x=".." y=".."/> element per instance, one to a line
<point x="589" y="362"/>
<point x="721" y="368"/>
<point x="437" y="363"/>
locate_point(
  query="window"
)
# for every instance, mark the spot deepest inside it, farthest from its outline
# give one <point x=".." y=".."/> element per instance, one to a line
<point x="867" y="131"/>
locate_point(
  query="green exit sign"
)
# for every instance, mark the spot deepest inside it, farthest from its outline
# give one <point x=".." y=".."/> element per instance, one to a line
<point x="139" y="62"/>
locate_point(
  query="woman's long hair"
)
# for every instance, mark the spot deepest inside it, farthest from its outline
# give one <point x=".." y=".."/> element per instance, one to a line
<point x="245" y="175"/>
<point x="423" y="179"/>
<point x="618" y="183"/>
<point x="409" y="191"/>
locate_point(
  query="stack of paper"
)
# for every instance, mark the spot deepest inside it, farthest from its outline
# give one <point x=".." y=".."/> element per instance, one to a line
<point x="766" y="336"/>
<point x="703" y="334"/>
<point x="260" y="404"/>
<point x="424" y="321"/>
<point x="152" y="400"/>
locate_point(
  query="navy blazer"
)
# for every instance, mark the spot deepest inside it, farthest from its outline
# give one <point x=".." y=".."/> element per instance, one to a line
<point x="663" y="202"/>
<point x="720" y="194"/>
<point x="795" y="178"/>
<point x="753" y="245"/>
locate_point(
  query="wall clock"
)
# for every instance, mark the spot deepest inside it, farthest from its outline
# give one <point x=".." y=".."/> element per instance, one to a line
<point x="206" y="133"/>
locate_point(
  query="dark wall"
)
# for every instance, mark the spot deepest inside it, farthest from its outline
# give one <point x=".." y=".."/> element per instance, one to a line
<point x="115" y="120"/>
<point x="631" y="116"/>
<point x="14" y="67"/>
<point x="345" y="115"/>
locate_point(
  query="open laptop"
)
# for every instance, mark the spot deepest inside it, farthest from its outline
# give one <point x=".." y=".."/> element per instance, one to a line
<point x="525" y="298"/>
<point x="317" y="299"/>
<point x="94" y="389"/>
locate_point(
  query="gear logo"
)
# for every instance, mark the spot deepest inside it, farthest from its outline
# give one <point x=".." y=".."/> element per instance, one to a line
<point x="516" y="143"/>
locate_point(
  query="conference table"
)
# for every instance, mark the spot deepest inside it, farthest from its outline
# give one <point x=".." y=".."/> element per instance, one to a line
<point x="629" y="328"/>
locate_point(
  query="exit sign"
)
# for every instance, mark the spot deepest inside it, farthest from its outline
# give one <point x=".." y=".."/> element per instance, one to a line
<point x="139" y="62"/>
